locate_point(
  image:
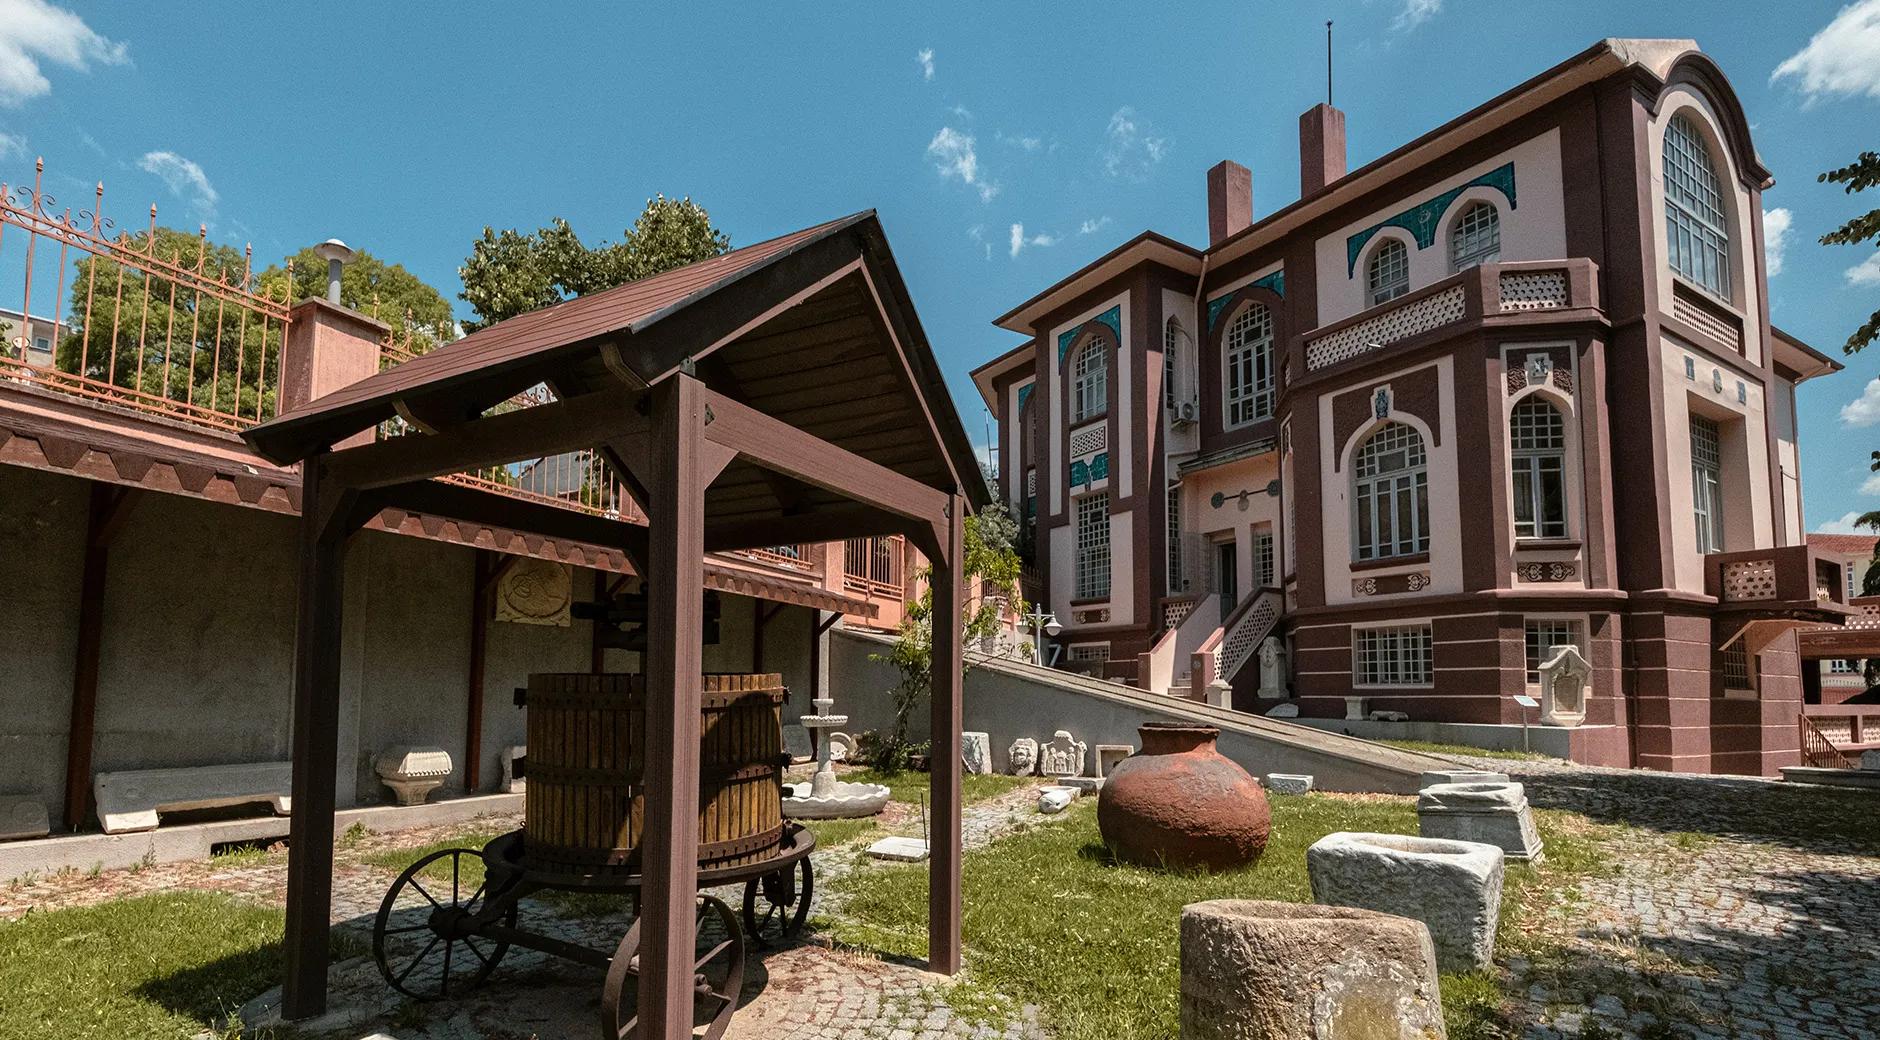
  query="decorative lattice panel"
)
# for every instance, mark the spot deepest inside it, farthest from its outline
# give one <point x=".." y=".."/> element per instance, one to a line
<point x="1176" y="611"/>
<point x="1749" y="579"/>
<point x="1241" y="640"/>
<point x="1705" y="322"/>
<point x="1419" y="316"/>
<point x="1089" y="439"/>
<point x="1533" y="290"/>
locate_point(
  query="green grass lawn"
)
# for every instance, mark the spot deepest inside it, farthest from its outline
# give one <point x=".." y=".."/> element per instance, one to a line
<point x="162" y="965"/>
<point x="909" y="786"/>
<point x="1429" y="747"/>
<point x="1051" y="920"/>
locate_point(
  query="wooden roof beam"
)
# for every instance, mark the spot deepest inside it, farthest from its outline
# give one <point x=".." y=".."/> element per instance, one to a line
<point x="538" y="432"/>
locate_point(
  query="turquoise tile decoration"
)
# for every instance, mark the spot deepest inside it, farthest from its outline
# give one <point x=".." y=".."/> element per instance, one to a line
<point x="1024" y="394"/>
<point x="1096" y="469"/>
<point x="1275" y="282"/>
<point x="1112" y="317"/>
<point x="1421" y="220"/>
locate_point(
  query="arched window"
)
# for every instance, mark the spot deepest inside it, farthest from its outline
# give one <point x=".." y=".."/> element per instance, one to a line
<point x="1476" y="238"/>
<point x="1090" y="380"/>
<point x="1537" y="440"/>
<point x="1171" y="351"/>
<point x="1388" y="274"/>
<point x="1695" y="228"/>
<point x="1390" y="489"/>
<point x="1249" y="360"/>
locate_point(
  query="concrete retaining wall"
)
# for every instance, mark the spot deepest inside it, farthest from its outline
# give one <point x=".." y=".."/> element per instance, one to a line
<point x="196" y="666"/>
<point x="1010" y="699"/>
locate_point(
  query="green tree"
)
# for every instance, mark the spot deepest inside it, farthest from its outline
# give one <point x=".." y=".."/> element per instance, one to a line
<point x="371" y="286"/>
<point x="991" y="561"/>
<point x="509" y="273"/>
<point x="1858" y="176"/>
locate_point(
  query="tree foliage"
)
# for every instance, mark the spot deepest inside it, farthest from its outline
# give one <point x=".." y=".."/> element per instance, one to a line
<point x="509" y="273"/>
<point x="369" y="285"/>
<point x="1858" y="176"/>
<point x="990" y="560"/>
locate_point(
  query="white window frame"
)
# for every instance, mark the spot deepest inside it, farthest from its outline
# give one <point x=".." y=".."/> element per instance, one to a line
<point x="1172" y="531"/>
<point x="1697" y="226"/>
<point x="1372" y="487"/>
<point x="1549" y="625"/>
<point x="1475" y="238"/>
<point x="1247" y="356"/>
<point x="1541" y="460"/>
<point x="1265" y="562"/>
<point x="1090" y="379"/>
<point x="1092" y="569"/>
<point x="1398" y="656"/>
<point x="1386" y="280"/>
<point x="1707" y="482"/>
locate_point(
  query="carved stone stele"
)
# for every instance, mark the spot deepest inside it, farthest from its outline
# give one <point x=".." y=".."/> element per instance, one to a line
<point x="535" y="592"/>
<point x="1564" y="678"/>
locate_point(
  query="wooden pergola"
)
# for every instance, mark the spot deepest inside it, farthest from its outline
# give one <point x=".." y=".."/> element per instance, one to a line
<point x="780" y="393"/>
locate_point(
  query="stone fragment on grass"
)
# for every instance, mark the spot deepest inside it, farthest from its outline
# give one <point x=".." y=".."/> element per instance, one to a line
<point x="1453" y="887"/>
<point x="1492" y="813"/>
<point x="1253" y="970"/>
<point x="1289" y="783"/>
<point x="976" y="752"/>
<point x="1056" y="798"/>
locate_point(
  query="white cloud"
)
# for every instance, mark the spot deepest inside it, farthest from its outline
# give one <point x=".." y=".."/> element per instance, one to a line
<point x="1415" y="13"/>
<point x="954" y="154"/>
<point x="1131" y="148"/>
<point x="12" y="146"/>
<point x="1020" y="240"/>
<point x="1843" y="58"/>
<point x="1023" y="142"/>
<point x="1776" y="226"/>
<point x="1092" y="226"/>
<point x="1867" y="272"/>
<point x="1843" y="525"/>
<point x="185" y="179"/>
<point x="33" y="31"/>
<point x="1871" y="486"/>
<point x="925" y="58"/>
<point x="1865" y="409"/>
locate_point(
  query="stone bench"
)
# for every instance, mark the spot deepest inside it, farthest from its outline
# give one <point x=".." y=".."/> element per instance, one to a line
<point x="131" y="800"/>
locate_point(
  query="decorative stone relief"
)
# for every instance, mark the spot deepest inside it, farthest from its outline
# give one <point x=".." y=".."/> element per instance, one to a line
<point x="976" y="752"/>
<point x="1564" y="678"/>
<point x="535" y="592"/>
<point x="1062" y="756"/>
<point x="841" y="747"/>
<point x="23" y="818"/>
<point x="1364" y="586"/>
<point x="1022" y="757"/>
<point x="1553" y="570"/>
<point x="413" y="772"/>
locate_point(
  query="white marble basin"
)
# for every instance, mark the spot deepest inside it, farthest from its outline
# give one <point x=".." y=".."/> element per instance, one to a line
<point x="845" y="801"/>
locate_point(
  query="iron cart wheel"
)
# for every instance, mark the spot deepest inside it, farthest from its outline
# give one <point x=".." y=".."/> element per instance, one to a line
<point x="717" y="974"/>
<point x="425" y="937"/>
<point x="776" y="905"/>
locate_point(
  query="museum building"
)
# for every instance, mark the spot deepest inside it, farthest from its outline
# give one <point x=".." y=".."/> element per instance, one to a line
<point x="1379" y="455"/>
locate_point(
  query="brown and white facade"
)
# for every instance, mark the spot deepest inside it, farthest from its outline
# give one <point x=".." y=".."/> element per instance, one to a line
<point x="1512" y="385"/>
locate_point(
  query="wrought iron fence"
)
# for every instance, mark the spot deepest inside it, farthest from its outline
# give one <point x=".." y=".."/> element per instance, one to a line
<point x="157" y="320"/>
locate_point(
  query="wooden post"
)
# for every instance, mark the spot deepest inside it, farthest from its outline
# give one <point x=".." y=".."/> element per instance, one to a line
<point x="675" y="582"/>
<point x="327" y="520"/>
<point x="943" y="872"/>
<point x="110" y="506"/>
<point x="483" y="571"/>
<point x="597" y="651"/>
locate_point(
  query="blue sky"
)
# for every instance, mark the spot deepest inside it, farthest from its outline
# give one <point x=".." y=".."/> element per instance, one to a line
<point x="405" y="129"/>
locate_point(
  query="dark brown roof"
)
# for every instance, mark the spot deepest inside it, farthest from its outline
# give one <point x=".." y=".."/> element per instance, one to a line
<point x="815" y="328"/>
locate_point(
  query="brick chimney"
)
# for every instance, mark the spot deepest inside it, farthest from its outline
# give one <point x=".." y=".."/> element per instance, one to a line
<point x="1321" y="149"/>
<point x="1230" y="199"/>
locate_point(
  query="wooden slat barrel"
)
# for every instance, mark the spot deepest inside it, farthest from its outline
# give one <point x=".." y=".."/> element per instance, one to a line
<point x="584" y="809"/>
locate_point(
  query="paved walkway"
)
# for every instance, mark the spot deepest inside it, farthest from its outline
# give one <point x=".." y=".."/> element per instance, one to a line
<point x="1736" y="908"/>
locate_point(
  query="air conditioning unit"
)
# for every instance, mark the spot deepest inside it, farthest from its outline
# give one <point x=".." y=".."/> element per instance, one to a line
<point x="1187" y="412"/>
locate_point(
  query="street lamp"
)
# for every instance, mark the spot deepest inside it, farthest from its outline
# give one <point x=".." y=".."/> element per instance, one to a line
<point x="1043" y="623"/>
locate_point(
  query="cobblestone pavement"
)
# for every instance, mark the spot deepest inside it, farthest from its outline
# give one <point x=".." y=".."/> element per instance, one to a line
<point x="1735" y="908"/>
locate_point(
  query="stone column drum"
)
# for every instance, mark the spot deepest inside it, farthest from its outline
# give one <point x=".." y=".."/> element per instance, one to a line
<point x="1255" y="970"/>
